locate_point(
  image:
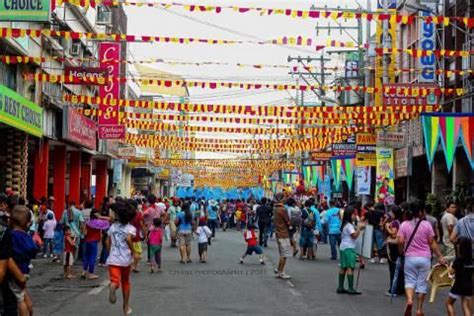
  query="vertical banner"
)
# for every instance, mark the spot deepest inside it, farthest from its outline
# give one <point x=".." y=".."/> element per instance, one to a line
<point x="109" y="127"/>
<point x="385" y="186"/>
<point x="364" y="180"/>
<point x="336" y="168"/>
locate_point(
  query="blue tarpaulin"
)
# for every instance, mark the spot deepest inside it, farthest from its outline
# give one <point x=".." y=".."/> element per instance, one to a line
<point x="219" y="193"/>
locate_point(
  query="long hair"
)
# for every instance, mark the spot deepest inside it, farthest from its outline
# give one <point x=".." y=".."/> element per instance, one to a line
<point x="464" y="250"/>
<point x="415" y="209"/>
<point x="347" y="217"/>
<point x="188" y="216"/>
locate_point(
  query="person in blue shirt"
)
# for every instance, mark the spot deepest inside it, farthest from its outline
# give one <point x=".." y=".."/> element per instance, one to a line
<point x="333" y="218"/>
<point x="212" y="210"/>
<point x="184" y="222"/>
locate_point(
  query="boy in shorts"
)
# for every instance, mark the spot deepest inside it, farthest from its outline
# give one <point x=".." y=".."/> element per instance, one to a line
<point x="252" y="244"/>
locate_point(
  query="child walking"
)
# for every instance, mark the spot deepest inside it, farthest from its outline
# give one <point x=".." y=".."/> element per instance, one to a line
<point x="69" y="251"/>
<point x="93" y="236"/>
<point x="347" y="250"/>
<point x="155" y="242"/>
<point x="204" y="233"/>
<point x="121" y="252"/>
<point x="48" y="227"/>
<point x="23" y="250"/>
<point x="463" y="287"/>
<point x="252" y="244"/>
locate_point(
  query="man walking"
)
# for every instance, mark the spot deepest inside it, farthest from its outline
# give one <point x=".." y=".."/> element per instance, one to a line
<point x="282" y="232"/>
<point x="448" y="221"/>
<point x="333" y="219"/>
<point x="264" y="216"/>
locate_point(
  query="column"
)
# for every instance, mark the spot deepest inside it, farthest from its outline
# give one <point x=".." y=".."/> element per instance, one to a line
<point x="75" y="176"/>
<point x="100" y="181"/>
<point x="59" y="184"/>
<point x="86" y="171"/>
<point x="41" y="166"/>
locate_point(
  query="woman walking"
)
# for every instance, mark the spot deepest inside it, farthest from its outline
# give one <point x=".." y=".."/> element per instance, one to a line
<point x="416" y="241"/>
<point x="184" y="222"/>
<point x="391" y="227"/>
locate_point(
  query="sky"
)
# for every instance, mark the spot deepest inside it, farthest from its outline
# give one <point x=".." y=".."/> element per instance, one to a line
<point x="234" y="26"/>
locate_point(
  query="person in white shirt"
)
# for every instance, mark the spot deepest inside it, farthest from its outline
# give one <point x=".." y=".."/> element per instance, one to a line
<point x="204" y="234"/>
<point x="48" y="227"/>
<point x="448" y="221"/>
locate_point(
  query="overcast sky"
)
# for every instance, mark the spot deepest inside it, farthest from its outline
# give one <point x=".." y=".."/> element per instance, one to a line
<point x="232" y="25"/>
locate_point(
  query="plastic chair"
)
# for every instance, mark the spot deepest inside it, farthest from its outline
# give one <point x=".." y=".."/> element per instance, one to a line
<point x="439" y="278"/>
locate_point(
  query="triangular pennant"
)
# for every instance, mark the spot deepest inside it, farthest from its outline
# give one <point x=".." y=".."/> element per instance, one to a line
<point x="348" y="168"/>
<point x="336" y="172"/>
<point x="449" y="134"/>
<point x="431" y="136"/>
<point x="315" y="176"/>
<point x="467" y="137"/>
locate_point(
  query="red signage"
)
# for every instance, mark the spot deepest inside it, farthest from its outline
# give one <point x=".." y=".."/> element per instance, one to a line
<point x="111" y="131"/>
<point x="409" y="94"/>
<point x="86" y="74"/>
<point x="109" y="118"/>
<point x="79" y="129"/>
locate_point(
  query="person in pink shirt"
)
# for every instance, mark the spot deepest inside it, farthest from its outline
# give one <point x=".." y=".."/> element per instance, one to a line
<point x="416" y="241"/>
<point x="155" y="242"/>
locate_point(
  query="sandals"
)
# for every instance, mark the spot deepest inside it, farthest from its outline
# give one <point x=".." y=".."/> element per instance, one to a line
<point x="408" y="309"/>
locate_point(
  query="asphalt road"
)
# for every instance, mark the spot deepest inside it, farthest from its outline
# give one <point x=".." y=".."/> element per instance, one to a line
<point x="222" y="287"/>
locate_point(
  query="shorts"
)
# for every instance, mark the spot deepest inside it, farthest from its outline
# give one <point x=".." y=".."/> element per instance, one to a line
<point x="306" y="239"/>
<point x="120" y="276"/>
<point x="68" y="259"/>
<point x="155" y="252"/>
<point x="202" y="246"/>
<point x="417" y="270"/>
<point x="251" y="249"/>
<point x="184" y="239"/>
<point x="348" y="258"/>
<point x="284" y="247"/>
<point x="137" y="246"/>
<point x="17" y="291"/>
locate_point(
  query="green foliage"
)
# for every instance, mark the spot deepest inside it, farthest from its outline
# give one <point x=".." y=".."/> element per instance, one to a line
<point x="436" y="208"/>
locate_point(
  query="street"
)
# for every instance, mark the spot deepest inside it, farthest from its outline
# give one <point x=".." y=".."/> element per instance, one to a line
<point x="222" y="287"/>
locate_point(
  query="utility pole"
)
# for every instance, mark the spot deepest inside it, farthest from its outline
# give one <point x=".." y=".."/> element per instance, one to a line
<point x="367" y="70"/>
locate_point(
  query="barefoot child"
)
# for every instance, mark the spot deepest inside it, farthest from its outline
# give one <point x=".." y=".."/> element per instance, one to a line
<point x="155" y="242"/>
<point x="204" y="234"/>
<point x="252" y="244"/>
<point x="462" y="288"/>
<point x="23" y="250"/>
<point x="69" y="251"/>
<point x="121" y="252"/>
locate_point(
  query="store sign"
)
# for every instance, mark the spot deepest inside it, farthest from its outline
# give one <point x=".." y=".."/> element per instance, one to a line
<point x="390" y="139"/>
<point x="24" y="10"/>
<point x="391" y="4"/>
<point x="427" y="31"/>
<point x="345" y="150"/>
<point x="109" y="127"/>
<point x="20" y="112"/>
<point x="320" y="158"/>
<point x="127" y="152"/>
<point x="403" y="163"/>
<point x="87" y="74"/>
<point x="366" y="144"/>
<point x="79" y="129"/>
<point x="396" y="94"/>
<point x="363" y="180"/>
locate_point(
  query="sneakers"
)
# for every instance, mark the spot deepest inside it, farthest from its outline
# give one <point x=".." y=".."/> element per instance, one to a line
<point x="374" y="260"/>
<point x="383" y="260"/>
<point x="262" y="262"/>
<point x="341" y="291"/>
<point x="241" y="261"/>
<point x="275" y="271"/>
<point x="353" y="292"/>
<point x="390" y="294"/>
<point x="284" y="276"/>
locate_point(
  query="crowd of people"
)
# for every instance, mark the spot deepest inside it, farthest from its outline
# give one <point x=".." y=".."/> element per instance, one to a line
<point x="406" y="236"/>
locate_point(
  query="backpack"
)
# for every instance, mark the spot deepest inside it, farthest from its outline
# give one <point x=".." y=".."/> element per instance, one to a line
<point x="295" y="216"/>
<point x="310" y="221"/>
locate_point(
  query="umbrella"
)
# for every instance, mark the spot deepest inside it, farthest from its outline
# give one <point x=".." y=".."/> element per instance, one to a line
<point x="98" y="224"/>
<point x="396" y="275"/>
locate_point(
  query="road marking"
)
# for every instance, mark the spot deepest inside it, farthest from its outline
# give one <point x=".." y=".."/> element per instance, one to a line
<point x="295" y="292"/>
<point x="97" y="290"/>
<point x="290" y="284"/>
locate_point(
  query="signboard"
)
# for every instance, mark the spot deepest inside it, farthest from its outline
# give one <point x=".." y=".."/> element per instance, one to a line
<point x="391" y="4"/>
<point x="365" y="156"/>
<point x="89" y="74"/>
<point x="363" y="180"/>
<point x="397" y="96"/>
<point x="320" y="158"/>
<point x="390" y="139"/>
<point x="117" y="175"/>
<point x="364" y="242"/>
<point x="109" y="127"/>
<point x="385" y="186"/>
<point x="31" y="11"/>
<point x="352" y="69"/>
<point x="127" y="151"/>
<point x="79" y="129"/>
<point x="403" y="162"/>
<point x="427" y="31"/>
<point x="346" y="150"/>
<point x="20" y="112"/>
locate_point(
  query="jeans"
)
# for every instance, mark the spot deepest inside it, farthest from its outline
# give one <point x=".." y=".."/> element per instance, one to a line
<point x="90" y="255"/>
<point x="82" y="249"/>
<point x="48" y="246"/>
<point x="263" y="232"/>
<point x="379" y="241"/>
<point x="334" y="240"/>
<point x="212" y="223"/>
<point x="392" y="264"/>
<point x="324" y="233"/>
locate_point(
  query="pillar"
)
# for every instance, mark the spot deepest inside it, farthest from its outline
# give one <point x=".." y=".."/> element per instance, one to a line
<point x="41" y="166"/>
<point x="75" y="176"/>
<point x="59" y="184"/>
<point x="100" y="181"/>
<point x="86" y="171"/>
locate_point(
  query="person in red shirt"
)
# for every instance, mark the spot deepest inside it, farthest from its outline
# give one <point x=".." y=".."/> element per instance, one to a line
<point x="252" y="244"/>
<point x="93" y="236"/>
<point x="69" y="250"/>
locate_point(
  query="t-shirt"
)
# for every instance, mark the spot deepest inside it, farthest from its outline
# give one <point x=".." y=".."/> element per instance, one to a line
<point x="374" y="217"/>
<point x="69" y="245"/>
<point x="448" y="219"/>
<point x="173" y="211"/>
<point x="347" y="242"/>
<point x="156" y="236"/>
<point x="120" y="254"/>
<point x="7" y="299"/>
<point x="282" y="228"/>
<point x="212" y="212"/>
<point x="333" y="219"/>
<point x="86" y="213"/>
<point x="465" y="227"/>
<point x="264" y="214"/>
<point x="74" y="222"/>
<point x="92" y="234"/>
<point x="48" y="228"/>
<point x="203" y="234"/>
<point x="23" y="250"/>
<point x="137" y="222"/>
<point x="433" y="221"/>
<point x="150" y="214"/>
<point x="420" y="245"/>
<point x="250" y="238"/>
<point x="184" y="227"/>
